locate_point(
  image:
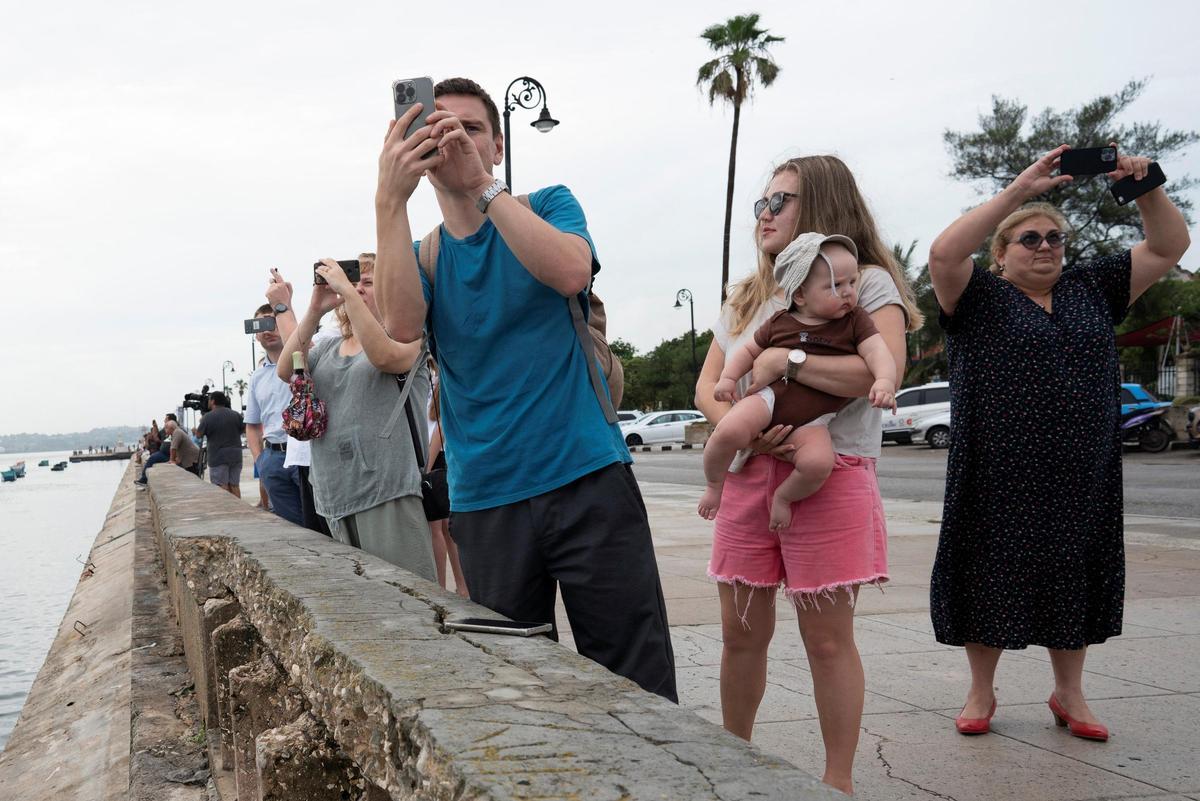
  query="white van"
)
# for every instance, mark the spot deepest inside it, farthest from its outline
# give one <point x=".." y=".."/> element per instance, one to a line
<point x="914" y="405"/>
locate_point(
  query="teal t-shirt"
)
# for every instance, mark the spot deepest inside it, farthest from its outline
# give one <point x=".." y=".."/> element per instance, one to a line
<point x="518" y="412"/>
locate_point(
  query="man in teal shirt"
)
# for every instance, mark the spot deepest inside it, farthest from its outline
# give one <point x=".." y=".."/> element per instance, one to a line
<point x="541" y="491"/>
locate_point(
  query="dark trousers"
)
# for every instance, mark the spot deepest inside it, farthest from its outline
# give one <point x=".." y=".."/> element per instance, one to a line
<point x="592" y="538"/>
<point x="308" y="506"/>
<point x="283" y="485"/>
<point x="158" y="457"/>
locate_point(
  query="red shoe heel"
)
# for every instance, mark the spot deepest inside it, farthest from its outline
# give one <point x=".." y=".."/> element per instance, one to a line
<point x="1086" y="731"/>
<point x="975" y="725"/>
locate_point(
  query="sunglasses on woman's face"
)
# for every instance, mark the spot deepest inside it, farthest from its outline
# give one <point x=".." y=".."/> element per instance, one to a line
<point x="774" y="203"/>
<point x="1032" y="240"/>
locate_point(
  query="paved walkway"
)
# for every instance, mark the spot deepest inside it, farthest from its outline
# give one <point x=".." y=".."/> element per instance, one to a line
<point x="1145" y="684"/>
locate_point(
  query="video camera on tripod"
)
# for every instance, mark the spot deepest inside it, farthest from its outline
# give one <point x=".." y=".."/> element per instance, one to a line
<point x="197" y="400"/>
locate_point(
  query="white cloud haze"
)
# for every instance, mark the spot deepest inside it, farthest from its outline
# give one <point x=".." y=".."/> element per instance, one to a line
<point x="156" y="159"/>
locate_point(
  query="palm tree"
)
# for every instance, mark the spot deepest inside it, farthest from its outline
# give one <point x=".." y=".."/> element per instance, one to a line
<point x="741" y="62"/>
<point x="240" y="385"/>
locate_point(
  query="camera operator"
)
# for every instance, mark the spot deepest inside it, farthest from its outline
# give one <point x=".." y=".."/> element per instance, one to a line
<point x="366" y="481"/>
<point x="222" y="427"/>
<point x="268" y="397"/>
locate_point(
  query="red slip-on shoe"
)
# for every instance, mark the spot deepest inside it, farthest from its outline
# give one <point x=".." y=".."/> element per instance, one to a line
<point x="1088" y="731"/>
<point x="975" y="725"/>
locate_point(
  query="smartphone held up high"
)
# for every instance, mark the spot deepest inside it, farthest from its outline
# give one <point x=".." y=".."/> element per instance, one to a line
<point x="256" y="325"/>
<point x="1128" y="189"/>
<point x="1088" y="161"/>
<point x="406" y="93"/>
<point x="351" y="268"/>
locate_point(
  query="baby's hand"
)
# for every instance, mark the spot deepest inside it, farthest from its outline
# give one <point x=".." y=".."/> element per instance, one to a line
<point x="724" y="390"/>
<point x="883" y="394"/>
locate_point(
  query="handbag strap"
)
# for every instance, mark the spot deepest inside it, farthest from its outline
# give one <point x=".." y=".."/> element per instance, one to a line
<point x="405" y="390"/>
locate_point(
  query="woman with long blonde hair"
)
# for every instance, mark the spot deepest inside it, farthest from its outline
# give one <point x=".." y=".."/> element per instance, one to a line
<point x="837" y="539"/>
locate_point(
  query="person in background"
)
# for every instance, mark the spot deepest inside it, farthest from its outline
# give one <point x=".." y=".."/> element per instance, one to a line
<point x="444" y="549"/>
<point x="366" y="482"/>
<point x="222" y="427"/>
<point x="162" y="454"/>
<point x="184" y="452"/>
<point x="1031" y="550"/>
<point x="269" y="396"/>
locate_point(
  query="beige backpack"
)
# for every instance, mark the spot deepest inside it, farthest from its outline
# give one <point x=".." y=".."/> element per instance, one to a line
<point x="589" y="329"/>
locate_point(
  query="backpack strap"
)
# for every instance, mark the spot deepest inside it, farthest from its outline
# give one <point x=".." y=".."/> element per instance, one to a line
<point x="427" y="253"/>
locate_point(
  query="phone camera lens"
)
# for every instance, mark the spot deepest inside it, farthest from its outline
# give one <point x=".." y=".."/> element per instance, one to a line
<point x="1108" y="155"/>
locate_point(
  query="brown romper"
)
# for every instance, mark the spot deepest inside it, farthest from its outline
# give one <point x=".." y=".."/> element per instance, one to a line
<point x="796" y="403"/>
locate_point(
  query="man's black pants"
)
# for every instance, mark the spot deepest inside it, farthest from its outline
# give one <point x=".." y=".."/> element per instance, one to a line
<point x="592" y="537"/>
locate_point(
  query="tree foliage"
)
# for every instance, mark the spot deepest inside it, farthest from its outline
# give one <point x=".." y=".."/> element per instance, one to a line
<point x="663" y="378"/>
<point x="1009" y="140"/>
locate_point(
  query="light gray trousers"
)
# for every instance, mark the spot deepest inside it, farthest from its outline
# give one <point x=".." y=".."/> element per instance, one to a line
<point x="395" y="531"/>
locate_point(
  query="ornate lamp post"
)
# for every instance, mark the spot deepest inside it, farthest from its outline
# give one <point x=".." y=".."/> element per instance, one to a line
<point x="681" y="296"/>
<point x="228" y="365"/>
<point x="527" y="95"/>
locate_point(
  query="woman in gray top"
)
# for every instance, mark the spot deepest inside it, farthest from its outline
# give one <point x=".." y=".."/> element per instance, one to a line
<point x="365" y="477"/>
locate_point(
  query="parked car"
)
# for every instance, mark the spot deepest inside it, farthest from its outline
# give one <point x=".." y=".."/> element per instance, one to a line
<point x="624" y="417"/>
<point x="659" y="426"/>
<point x="913" y="406"/>
<point x="933" y="430"/>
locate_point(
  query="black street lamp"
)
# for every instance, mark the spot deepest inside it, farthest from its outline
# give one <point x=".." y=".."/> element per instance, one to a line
<point x="528" y="95"/>
<point x="228" y="365"/>
<point x="683" y="295"/>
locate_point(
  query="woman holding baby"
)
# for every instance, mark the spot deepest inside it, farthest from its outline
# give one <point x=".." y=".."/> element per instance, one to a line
<point x="822" y="548"/>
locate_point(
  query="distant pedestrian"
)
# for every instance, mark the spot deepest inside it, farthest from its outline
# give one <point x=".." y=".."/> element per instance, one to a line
<point x="837" y="539"/>
<point x="222" y="427"/>
<point x="366" y="483"/>
<point x="1031" y="549"/>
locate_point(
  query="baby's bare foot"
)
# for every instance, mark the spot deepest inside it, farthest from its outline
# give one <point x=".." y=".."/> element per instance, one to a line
<point x="710" y="502"/>
<point x="781" y="513"/>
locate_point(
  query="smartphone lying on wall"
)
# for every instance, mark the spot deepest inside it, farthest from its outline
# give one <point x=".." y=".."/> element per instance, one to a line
<point x="519" y="628"/>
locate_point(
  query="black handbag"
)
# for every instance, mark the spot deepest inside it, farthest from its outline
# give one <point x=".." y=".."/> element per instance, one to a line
<point x="435" y="489"/>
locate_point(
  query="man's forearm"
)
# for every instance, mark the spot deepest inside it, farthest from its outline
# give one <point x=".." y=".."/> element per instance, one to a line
<point x="254" y="439"/>
<point x="398" y="290"/>
<point x="559" y="260"/>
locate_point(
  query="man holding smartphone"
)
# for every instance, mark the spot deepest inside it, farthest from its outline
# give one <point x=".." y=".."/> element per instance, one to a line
<point x="525" y="517"/>
<point x="268" y="397"/>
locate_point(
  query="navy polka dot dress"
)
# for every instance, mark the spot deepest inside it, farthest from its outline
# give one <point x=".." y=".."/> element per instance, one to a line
<point x="1031" y="550"/>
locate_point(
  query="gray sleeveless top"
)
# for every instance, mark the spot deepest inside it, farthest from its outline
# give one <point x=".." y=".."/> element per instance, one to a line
<point x="366" y="455"/>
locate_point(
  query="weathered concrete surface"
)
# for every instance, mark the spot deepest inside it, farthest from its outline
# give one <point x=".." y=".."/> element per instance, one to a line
<point x="260" y="698"/>
<point x="72" y="739"/>
<point x="169" y="760"/>
<point x="426" y="713"/>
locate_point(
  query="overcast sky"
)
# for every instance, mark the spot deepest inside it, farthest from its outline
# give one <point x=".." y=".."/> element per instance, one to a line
<point x="156" y="159"/>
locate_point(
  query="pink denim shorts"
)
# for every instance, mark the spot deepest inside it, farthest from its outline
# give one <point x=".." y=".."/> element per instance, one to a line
<point x="837" y="539"/>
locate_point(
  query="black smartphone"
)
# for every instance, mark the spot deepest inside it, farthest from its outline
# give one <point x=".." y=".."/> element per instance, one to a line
<point x="256" y="324"/>
<point x="350" y="267"/>
<point x="1088" y="161"/>
<point x="520" y="628"/>
<point x="1128" y="189"/>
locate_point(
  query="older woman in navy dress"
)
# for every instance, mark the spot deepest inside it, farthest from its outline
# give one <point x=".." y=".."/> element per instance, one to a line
<point x="1031" y="549"/>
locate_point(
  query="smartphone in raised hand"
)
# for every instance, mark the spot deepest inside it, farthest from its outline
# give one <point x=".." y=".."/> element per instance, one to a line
<point x="406" y="93"/>
<point x="350" y="267"/>
<point x="1088" y="161"/>
<point x="1128" y="189"/>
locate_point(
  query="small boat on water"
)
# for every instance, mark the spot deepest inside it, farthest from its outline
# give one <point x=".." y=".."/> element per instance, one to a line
<point x="44" y="463"/>
<point x="8" y="475"/>
<point x="19" y="469"/>
<point x="59" y="467"/>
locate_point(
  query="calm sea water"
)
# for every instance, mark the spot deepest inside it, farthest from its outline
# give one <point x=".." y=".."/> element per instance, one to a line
<point x="48" y="522"/>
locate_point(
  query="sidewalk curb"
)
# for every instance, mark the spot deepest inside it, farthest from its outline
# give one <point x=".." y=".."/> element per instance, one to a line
<point x="687" y="446"/>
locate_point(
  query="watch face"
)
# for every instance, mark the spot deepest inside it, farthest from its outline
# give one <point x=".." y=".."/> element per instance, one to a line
<point x="280" y="308"/>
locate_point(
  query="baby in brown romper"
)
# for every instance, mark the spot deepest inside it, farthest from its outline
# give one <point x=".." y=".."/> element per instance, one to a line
<point x="823" y="319"/>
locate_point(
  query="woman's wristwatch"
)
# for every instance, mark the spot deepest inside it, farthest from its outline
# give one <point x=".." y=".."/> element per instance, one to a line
<point x="795" y="360"/>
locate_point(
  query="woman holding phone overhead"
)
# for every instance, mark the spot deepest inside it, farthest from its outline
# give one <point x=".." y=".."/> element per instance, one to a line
<point x="836" y="541"/>
<point x="1031" y="549"/>
<point x="366" y="482"/>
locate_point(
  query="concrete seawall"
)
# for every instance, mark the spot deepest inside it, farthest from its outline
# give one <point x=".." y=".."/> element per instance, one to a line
<point x="322" y="672"/>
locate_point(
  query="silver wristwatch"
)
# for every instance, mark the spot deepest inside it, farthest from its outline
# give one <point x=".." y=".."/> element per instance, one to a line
<point x="795" y="361"/>
<point x="490" y="194"/>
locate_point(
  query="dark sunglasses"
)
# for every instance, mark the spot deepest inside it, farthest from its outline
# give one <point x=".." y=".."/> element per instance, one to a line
<point x="1032" y="240"/>
<point x="774" y="203"/>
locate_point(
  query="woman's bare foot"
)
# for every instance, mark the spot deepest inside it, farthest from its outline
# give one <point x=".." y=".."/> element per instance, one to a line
<point x="710" y="502"/>
<point x="781" y="513"/>
<point x="845" y="785"/>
